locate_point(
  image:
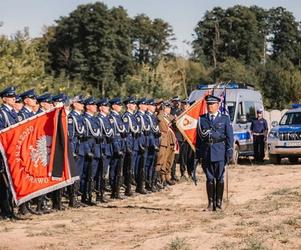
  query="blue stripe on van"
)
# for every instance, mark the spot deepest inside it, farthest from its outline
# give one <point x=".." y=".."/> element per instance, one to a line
<point x="242" y="135"/>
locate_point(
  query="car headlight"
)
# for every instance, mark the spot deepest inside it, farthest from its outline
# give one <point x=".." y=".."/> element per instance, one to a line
<point x="273" y="134"/>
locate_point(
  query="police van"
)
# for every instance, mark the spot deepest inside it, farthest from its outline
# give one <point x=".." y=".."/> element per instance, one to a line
<point x="242" y="101"/>
<point x="284" y="139"/>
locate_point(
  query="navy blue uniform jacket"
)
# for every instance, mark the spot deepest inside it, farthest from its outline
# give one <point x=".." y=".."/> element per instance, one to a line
<point x="214" y="139"/>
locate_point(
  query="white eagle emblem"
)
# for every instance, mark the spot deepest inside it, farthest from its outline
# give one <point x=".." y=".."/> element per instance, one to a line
<point x="42" y="151"/>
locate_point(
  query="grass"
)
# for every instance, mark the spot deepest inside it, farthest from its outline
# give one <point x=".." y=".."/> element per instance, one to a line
<point x="254" y="243"/>
<point x="179" y="244"/>
<point x="281" y="191"/>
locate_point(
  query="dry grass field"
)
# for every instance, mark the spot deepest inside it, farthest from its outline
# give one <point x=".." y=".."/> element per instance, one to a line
<point x="263" y="212"/>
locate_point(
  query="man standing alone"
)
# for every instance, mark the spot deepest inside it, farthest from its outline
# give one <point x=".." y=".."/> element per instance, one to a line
<point x="259" y="130"/>
<point x="214" y="149"/>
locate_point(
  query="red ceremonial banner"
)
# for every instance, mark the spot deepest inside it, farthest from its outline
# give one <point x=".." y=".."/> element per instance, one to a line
<point x="187" y="121"/>
<point x="32" y="151"/>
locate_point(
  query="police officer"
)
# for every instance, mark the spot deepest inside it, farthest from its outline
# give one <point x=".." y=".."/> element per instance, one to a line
<point x="119" y="147"/>
<point x="29" y="98"/>
<point x="143" y="145"/>
<point x="154" y="143"/>
<point x="132" y="142"/>
<point x="214" y="149"/>
<point x="76" y="133"/>
<point x="30" y="102"/>
<point x="92" y="133"/>
<point x="259" y="130"/>
<point x="56" y="196"/>
<point x="184" y="146"/>
<point x="105" y="147"/>
<point x="8" y="117"/>
<point x="18" y="104"/>
<point x="45" y="101"/>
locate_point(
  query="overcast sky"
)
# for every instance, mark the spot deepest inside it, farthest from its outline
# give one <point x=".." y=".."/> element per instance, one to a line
<point x="183" y="15"/>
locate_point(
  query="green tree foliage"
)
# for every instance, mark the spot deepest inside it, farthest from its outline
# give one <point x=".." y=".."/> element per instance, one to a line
<point x="228" y="33"/>
<point x="150" y="39"/>
<point x="253" y="45"/>
<point x="285" y="35"/>
<point x="22" y="67"/>
<point x="100" y="46"/>
<point x="20" y="64"/>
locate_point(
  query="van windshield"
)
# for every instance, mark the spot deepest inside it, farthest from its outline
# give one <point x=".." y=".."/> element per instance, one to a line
<point x="291" y="118"/>
<point x="231" y="109"/>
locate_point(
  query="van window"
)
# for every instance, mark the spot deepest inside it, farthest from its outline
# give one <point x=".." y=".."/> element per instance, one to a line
<point x="231" y="109"/>
<point x="250" y="111"/>
<point x="239" y="111"/>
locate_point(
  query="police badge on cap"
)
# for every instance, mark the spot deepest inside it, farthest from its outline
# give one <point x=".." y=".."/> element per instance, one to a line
<point x="212" y="99"/>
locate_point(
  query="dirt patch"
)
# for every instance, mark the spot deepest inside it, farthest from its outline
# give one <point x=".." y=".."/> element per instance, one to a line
<point x="263" y="212"/>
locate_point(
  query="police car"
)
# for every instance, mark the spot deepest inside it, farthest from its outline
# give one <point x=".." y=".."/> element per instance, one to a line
<point x="284" y="139"/>
<point x="242" y="101"/>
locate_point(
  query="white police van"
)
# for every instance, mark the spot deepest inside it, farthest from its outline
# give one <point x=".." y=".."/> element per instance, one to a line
<point x="242" y="101"/>
<point x="284" y="139"/>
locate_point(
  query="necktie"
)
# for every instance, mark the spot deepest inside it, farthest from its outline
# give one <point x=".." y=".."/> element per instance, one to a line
<point x="211" y="118"/>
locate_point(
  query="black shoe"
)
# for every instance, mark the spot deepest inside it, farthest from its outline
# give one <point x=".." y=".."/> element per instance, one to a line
<point x="74" y="204"/>
<point x="141" y="191"/>
<point x="128" y="193"/>
<point x="89" y="202"/>
<point x="118" y="197"/>
<point x="170" y="182"/>
<point x="175" y="178"/>
<point x="101" y="199"/>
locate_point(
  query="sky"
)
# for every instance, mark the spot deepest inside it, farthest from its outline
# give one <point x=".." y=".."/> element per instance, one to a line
<point x="182" y="15"/>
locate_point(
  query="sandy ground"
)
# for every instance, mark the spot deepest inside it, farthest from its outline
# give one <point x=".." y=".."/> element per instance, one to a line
<point x="263" y="212"/>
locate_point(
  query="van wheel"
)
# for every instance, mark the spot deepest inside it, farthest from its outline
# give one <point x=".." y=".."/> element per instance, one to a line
<point x="235" y="155"/>
<point x="275" y="159"/>
<point x="293" y="159"/>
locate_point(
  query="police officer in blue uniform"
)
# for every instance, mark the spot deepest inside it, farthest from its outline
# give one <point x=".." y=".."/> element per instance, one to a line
<point x="259" y="130"/>
<point x="29" y="98"/>
<point x="18" y="104"/>
<point x="106" y="148"/>
<point x="132" y="142"/>
<point x="8" y="117"/>
<point x="143" y="145"/>
<point x="214" y="149"/>
<point x="45" y="101"/>
<point x="119" y="147"/>
<point x="59" y="98"/>
<point x="151" y="174"/>
<point x="30" y="102"/>
<point x="76" y="132"/>
<point x="175" y="112"/>
<point x="92" y="134"/>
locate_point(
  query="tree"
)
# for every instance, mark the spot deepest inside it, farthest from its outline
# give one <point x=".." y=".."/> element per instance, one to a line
<point x="20" y="64"/>
<point x="150" y="38"/>
<point x="285" y="35"/>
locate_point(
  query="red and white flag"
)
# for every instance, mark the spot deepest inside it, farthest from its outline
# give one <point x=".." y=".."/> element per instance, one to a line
<point x="187" y="121"/>
<point x="36" y="155"/>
